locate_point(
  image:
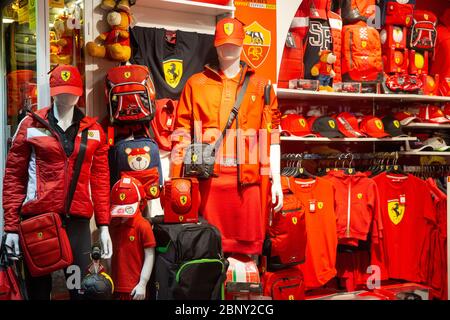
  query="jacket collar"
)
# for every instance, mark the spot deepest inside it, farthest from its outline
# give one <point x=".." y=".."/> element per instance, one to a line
<point x="214" y="70"/>
<point x="85" y="121"/>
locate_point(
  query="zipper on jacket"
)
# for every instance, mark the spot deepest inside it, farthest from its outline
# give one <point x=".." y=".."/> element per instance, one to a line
<point x="349" y="204"/>
<point x="351" y="51"/>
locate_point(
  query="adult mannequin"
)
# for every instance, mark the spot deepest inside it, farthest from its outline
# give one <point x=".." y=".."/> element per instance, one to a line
<point x="206" y="102"/>
<point x="40" y="166"/>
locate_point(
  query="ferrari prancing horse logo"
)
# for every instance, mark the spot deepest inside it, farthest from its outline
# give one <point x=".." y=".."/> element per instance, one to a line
<point x="173" y="71"/>
<point x="183" y="200"/>
<point x="228" y="28"/>
<point x="396" y="211"/>
<point x="65" y="75"/>
<point x="122" y="196"/>
<point x="127" y="74"/>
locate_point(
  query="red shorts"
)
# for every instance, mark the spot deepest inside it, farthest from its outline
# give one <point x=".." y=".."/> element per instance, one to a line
<point x="235" y="212"/>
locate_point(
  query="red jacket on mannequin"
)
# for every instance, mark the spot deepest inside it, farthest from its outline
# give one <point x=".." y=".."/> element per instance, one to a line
<point x="38" y="173"/>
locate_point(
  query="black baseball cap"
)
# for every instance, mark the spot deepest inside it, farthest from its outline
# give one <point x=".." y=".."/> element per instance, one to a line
<point x="393" y="126"/>
<point x="326" y="127"/>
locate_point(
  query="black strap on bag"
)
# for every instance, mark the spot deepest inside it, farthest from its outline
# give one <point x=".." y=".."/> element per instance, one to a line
<point x="78" y="162"/>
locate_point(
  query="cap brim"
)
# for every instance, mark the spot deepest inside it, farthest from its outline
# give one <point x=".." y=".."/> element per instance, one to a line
<point x="221" y="42"/>
<point x="352" y="133"/>
<point x="379" y="135"/>
<point x="331" y="134"/>
<point x="76" y="91"/>
<point x="396" y="133"/>
<point x="424" y="148"/>
<point x="407" y="121"/>
<point x="124" y="211"/>
<point x="440" y="120"/>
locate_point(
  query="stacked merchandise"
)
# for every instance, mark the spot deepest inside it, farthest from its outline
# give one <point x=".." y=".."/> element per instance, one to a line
<point x="373" y="216"/>
<point x="335" y="46"/>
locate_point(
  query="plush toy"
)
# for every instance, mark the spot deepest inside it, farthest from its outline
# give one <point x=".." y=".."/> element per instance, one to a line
<point x="62" y="46"/>
<point x="124" y="5"/>
<point x="116" y="43"/>
<point x="324" y="70"/>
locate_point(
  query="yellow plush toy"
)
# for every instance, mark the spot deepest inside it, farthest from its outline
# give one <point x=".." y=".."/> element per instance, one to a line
<point x="124" y="5"/>
<point x="115" y="43"/>
<point x="63" y="44"/>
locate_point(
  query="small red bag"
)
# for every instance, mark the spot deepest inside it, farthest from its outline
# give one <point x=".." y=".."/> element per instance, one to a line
<point x="285" y="284"/>
<point x="9" y="283"/>
<point x="46" y="247"/>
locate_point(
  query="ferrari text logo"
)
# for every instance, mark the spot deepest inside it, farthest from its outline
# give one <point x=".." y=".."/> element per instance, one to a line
<point x="65" y="75"/>
<point x="257" y="44"/>
<point x="127" y="75"/>
<point x="183" y="200"/>
<point x="122" y="196"/>
<point x="396" y="211"/>
<point x="228" y="28"/>
<point x="173" y="71"/>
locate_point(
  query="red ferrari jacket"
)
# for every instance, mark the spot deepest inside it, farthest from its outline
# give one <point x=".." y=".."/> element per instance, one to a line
<point x="357" y="206"/>
<point x="38" y="173"/>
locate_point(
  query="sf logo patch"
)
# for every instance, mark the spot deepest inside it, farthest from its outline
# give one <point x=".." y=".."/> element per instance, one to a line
<point x="228" y="28"/>
<point x="396" y="124"/>
<point x="154" y="191"/>
<point x="65" y="75"/>
<point x="320" y="205"/>
<point x="379" y="124"/>
<point x="332" y="124"/>
<point x="183" y="200"/>
<point x="302" y="123"/>
<point x="194" y="158"/>
<point x="294" y="220"/>
<point x="127" y="75"/>
<point x="173" y="71"/>
<point x="396" y="211"/>
<point x="122" y="196"/>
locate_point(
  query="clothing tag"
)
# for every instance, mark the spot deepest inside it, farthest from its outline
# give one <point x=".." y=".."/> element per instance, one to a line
<point x="290" y="42"/>
<point x="402" y="199"/>
<point x="169" y="122"/>
<point x="312" y="206"/>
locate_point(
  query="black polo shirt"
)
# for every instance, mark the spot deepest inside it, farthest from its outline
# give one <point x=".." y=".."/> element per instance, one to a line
<point x="67" y="137"/>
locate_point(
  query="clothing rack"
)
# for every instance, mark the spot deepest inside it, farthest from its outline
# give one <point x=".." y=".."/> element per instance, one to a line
<point x="340" y="156"/>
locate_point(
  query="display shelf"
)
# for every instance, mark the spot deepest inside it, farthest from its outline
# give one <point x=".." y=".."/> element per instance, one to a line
<point x="424" y="153"/>
<point x="187" y="6"/>
<point x="337" y="96"/>
<point x="427" y="126"/>
<point x="362" y="140"/>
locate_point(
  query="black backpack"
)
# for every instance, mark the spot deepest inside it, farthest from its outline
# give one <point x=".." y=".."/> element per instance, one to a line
<point x="189" y="263"/>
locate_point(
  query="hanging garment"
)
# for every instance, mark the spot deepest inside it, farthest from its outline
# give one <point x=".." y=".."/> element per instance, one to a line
<point x="408" y="221"/>
<point x="172" y="64"/>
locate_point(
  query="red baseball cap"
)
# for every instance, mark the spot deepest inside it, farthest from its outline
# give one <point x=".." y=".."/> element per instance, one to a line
<point x="348" y="125"/>
<point x="230" y="31"/>
<point x="66" y="79"/>
<point x="432" y="114"/>
<point x="406" y="118"/>
<point x="126" y="196"/>
<point x="181" y="196"/>
<point x="296" y="125"/>
<point x="373" y="127"/>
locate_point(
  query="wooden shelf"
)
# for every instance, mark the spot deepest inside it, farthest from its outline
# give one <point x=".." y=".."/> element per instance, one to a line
<point x="362" y="140"/>
<point x="427" y="126"/>
<point x="337" y="96"/>
<point x="424" y="153"/>
<point x="187" y="6"/>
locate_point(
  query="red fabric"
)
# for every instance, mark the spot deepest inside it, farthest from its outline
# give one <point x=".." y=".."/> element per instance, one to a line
<point x="321" y="246"/>
<point x="437" y="275"/>
<point x="286" y="284"/>
<point x="407" y="243"/>
<point x="129" y="237"/>
<point x="53" y="173"/>
<point x="362" y="194"/>
<point x="352" y="269"/>
<point x="235" y="212"/>
<point x="441" y="63"/>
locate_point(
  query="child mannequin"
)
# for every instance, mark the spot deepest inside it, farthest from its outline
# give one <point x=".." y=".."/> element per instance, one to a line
<point x="133" y="240"/>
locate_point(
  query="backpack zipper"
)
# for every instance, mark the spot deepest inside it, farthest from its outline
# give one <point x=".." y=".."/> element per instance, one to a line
<point x="200" y="261"/>
<point x="286" y="279"/>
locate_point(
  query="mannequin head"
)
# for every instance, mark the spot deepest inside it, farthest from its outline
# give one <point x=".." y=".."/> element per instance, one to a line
<point x="66" y="100"/>
<point x="229" y="41"/>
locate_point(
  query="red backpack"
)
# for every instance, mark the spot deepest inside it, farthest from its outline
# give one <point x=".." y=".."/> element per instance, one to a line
<point x="353" y="11"/>
<point x="361" y="54"/>
<point x="399" y="14"/>
<point x="287" y="284"/>
<point x="130" y="93"/>
<point x="285" y="245"/>
<point x="423" y="33"/>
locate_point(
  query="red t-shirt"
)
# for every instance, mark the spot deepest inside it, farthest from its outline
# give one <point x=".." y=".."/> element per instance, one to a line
<point x="408" y="216"/>
<point x="129" y="238"/>
<point x="317" y="197"/>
